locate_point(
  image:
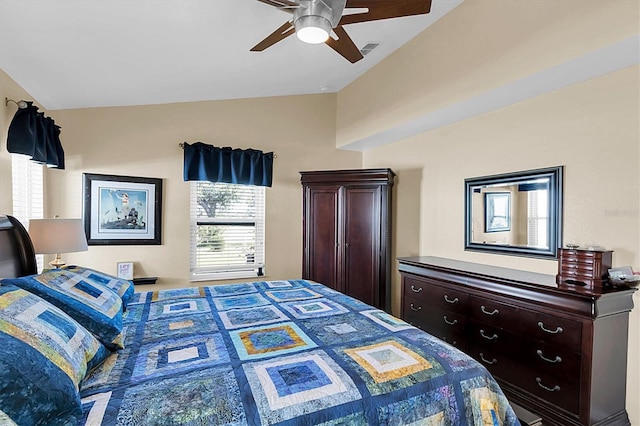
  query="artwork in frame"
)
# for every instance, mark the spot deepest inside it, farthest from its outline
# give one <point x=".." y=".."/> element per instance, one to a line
<point x="497" y="216"/>
<point x="122" y="210"/>
<point x="125" y="270"/>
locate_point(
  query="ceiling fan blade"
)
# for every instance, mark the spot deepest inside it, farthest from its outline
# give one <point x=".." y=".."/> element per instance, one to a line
<point x="344" y="45"/>
<point x="280" y="34"/>
<point x="281" y="4"/>
<point x="384" y="9"/>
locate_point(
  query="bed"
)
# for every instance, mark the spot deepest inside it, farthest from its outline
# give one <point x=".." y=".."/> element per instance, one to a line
<point x="285" y="352"/>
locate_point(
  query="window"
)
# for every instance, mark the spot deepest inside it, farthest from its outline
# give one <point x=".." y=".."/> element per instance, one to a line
<point x="27" y="192"/>
<point x="537" y="226"/>
<point x="227" y="231"/>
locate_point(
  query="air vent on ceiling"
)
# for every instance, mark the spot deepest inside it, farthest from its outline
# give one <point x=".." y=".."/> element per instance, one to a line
<point x="368" y="48"/>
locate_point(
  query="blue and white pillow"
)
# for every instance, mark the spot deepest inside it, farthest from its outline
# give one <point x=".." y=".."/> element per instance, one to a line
<point x="45" y="356"/>
<point x="94" y="306"/>
<point x="123" y="287"/>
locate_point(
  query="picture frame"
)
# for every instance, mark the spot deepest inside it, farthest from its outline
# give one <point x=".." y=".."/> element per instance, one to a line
<point x="497" y="214"/>
<point x="125" y="270"/>
<point x="122" y="210"/>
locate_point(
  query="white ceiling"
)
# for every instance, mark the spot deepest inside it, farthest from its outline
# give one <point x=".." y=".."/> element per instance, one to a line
<point x="93" y="53"/>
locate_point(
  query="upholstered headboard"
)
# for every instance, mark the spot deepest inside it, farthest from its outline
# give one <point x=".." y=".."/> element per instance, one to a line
<point x="17" y="258"/>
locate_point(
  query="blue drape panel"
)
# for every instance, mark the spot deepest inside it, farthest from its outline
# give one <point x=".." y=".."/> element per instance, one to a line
<point x="31" y="133"/>
<point x="244" y="166"/>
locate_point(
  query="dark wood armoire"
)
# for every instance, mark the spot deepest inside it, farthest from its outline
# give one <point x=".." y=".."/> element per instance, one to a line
<point x="347" y="232"/>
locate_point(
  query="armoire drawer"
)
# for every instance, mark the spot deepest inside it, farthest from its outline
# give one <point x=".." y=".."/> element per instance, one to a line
<point x="435" y="295"/>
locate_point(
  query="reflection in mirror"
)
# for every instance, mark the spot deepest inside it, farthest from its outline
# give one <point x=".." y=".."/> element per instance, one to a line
<point x="515" y="213"/>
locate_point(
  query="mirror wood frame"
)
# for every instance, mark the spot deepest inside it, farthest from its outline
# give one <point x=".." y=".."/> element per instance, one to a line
<point x="555" y="207"/>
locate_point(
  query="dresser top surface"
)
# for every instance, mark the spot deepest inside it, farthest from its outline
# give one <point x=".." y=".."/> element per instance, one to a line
<point x="524" y="278"/>
<point x="487" y="270"/>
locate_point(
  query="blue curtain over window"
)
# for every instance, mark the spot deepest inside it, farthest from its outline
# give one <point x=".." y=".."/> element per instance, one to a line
<point x="31" y="133"/>
<point x="243" y="166"/>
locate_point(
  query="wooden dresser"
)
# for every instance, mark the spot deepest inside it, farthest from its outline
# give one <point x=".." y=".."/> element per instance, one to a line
<point x="559" y="351"/>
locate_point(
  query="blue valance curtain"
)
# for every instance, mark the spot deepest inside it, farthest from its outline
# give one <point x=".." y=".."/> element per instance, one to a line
<point x="33" y="134"/>
<point x="243" y="166"/>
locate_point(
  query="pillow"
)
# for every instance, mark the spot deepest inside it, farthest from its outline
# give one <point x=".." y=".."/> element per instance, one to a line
<point x="45" y="355"/>
<point x="94" y="306"/>
<point x="123" y="287"/>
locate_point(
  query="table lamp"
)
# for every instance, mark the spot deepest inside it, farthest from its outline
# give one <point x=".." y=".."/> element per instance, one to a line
<point x="55" y="236"/>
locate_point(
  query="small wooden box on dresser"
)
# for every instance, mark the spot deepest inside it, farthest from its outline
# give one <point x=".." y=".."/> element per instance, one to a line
<point x="557" y="350"/>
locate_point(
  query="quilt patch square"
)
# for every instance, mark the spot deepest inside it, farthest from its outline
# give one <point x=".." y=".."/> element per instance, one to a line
<point x="291" y="295"/>
<point x="209" y="396"/>
<point x="437" y="407"/>
<point x="388" y="360"/>
<point x="278" y="284"/>
<point x="314" y="308"/>
<point x="180" y="355"/>
<point x="342" y="328"/>
<point x="177" y="293"/>
<point x="171" y="307"/>
<point x="290" y="386"/>
<point x="265" y="341"/>
<point x="174" y="327"/>
<point x="237" y="318"/>
<point x="231" y="289"/>
<point x="386" y="320"/>
<point x="485" y="401"/>
<point x="242" y="301"/>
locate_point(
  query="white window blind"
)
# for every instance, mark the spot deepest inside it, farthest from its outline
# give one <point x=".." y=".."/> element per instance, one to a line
<point x="537" y="218"/>
<point x="227" y="231"/>
<point x="27" y="192"/>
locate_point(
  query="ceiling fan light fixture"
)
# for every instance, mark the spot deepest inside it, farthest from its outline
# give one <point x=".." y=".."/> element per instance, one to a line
<point x="313" y="29"/>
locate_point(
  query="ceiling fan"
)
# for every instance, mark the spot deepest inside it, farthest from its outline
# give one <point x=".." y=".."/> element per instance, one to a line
<point x="314" y="20"/>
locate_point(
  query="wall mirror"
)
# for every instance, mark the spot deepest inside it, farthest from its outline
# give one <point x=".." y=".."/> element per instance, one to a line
<point x="516" y="213"/>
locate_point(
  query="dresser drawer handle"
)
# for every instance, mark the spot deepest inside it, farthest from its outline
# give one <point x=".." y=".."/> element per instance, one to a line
<point x="494" y="337"/>
<point x="416" y="290"/>
<point x="413" y="308"/>
<point x="493" y="361"/>
<point x="546" y="330"/>
<point x="446" y="299"/>
<point x="484" y="311"/>
<point x="556" y="388"/>
<point x="454" y="322"/>
<point x="553" y="361"/>
<point x="454" y="343"/>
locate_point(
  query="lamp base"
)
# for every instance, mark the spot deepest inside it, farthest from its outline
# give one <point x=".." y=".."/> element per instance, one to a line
<point x="57" y="263"/>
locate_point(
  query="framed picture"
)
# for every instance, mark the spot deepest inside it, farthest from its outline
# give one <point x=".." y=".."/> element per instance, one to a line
<point x="122" y="210"/>
<point x="125" y="270"/>
<point x="497" y="213"/>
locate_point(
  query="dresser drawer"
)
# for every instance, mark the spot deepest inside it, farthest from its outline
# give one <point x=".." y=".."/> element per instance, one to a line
<point x="435" y="295"/>
<point x="561" y="391"/>
<point x="416" y="311"/>
<point x="535" y="325"/>
<point x="445" y="325"/>
<point x="564" y="393"/>
<point x="552" y="360"/>
<point x="494" y="312"/>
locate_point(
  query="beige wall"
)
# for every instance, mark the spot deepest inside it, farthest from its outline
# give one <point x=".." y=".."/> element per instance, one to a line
<point x="143" y="141"/>
<point x="592" y="128"/>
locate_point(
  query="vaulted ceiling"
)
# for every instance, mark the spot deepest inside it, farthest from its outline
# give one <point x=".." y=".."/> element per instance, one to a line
<point x="92" y="53"/>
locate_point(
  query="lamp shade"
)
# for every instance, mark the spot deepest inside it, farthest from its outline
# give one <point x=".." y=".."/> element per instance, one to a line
<point x="52" y="236"/>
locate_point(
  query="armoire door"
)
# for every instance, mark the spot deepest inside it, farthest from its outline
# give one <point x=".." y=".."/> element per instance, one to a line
<point x="362" y="225"/>
<point x="321" y="246"/>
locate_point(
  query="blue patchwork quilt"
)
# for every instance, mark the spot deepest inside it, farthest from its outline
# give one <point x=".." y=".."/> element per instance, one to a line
<point x="283" y="353"/>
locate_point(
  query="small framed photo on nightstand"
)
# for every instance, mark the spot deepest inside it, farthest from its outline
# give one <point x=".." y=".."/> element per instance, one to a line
<point x="125" y="270"/>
